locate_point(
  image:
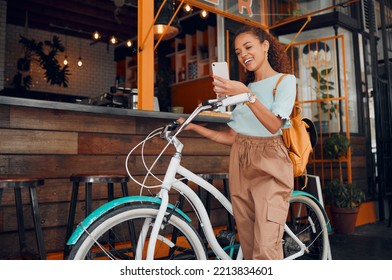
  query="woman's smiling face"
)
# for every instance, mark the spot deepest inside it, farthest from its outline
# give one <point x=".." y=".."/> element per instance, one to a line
<point x="251" y="53"/>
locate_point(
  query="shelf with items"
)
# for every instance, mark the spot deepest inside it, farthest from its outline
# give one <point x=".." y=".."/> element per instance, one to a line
<point x="206" y="49"/>
<point x="127" y="72"/>
<point x="193" y="55"/>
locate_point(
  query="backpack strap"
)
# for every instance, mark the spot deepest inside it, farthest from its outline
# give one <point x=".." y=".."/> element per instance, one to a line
<point x="277" y="83"/>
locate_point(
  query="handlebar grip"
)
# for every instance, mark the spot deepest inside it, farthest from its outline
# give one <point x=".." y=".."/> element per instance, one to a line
<point x="235" y="99"/>
<point x="228" y="101"/>
<point x="209" y="102"/>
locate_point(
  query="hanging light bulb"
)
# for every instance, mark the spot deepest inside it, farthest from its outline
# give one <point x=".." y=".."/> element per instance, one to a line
<point x="96" y="35"/>
<point x="65" y="49"/>
<point x="113" y="40"/>
<point x="80" y="53"/>
<point x="203" y="14"/>
<point x="187" y="8"/>
<point x="129" y="43"/>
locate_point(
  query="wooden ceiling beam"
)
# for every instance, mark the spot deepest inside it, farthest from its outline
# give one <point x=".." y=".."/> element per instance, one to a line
<point x="75" y="14"/>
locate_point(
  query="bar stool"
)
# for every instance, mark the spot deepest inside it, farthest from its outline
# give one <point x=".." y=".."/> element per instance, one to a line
<point x="88" y="180"/>
<point x="17" y="184"/>
<point x="205" y="196"/>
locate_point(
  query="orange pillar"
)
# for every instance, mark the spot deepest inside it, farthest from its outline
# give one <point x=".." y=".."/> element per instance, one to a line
<point x="145" y="56"/>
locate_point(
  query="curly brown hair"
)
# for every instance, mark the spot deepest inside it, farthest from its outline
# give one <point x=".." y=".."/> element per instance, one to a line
<point x="277" y="56"/>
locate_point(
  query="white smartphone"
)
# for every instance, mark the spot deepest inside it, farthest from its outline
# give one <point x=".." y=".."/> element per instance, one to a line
<point x="220" y="69"/>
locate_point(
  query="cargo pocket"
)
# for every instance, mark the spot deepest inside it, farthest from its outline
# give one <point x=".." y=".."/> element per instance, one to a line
<point x="278" y="216"/>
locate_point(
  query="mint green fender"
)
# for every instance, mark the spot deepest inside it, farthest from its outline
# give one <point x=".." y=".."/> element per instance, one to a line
<point x="100" y="211"/>
<point x="302" y="193"/>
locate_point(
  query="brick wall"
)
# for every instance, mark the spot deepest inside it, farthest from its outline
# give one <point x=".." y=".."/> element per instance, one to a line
<point x="3" y="17"/>
<point x="95" y="77"/>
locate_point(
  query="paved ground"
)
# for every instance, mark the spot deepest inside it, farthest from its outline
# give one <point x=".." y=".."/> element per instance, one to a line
<point x="368" y="242"/>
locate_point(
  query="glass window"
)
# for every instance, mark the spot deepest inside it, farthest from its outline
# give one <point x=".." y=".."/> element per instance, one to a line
<point x="240" y="10"/>
<point x="284" y="9"/>
<point x="326" y="79"/>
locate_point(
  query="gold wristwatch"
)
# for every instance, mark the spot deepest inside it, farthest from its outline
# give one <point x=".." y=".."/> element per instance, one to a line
<point x="251" y="98"/>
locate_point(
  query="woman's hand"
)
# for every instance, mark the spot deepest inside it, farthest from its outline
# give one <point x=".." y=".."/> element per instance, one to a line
<point x="188" y="127"/>
<point x="223" y="87"/>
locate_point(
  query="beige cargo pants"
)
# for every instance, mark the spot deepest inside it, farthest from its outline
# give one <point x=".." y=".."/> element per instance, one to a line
<point x="261" y="182"/>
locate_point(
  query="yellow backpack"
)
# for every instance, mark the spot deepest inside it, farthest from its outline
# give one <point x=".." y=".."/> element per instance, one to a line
<point x="299" y="139"/>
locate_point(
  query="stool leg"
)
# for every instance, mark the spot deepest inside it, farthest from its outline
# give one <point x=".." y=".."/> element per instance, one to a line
<point x="124" y="188"/>
<point x="230" y="219"/>
<point x="390" y="214"/>
<point x="110" y="198"/>
<point x="71" y="215"/>
<point x="37" y="223"/>
<point x="204" y="197"/>
<point x="175" y="230"/>
<point x="131" y="225"/>
<point x="110" y="191"/>
<point x="20" y="220"/>
<point x="89" y="198"/>
<point x="208" y="201"/>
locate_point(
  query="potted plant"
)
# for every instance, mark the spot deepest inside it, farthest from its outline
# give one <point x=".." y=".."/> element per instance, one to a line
<point x="336" y="146"/>
<point x="345" y="200"/>
<point x="326" y="109"/>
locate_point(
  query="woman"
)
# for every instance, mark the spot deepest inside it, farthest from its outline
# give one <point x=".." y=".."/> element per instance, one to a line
<point x="261" y="173"/>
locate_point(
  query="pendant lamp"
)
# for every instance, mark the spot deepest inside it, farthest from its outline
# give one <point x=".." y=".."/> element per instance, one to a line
<point x="162" y="23"/>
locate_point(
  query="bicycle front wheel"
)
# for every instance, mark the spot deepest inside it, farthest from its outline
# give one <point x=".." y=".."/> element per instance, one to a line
<point x="307" y="222"/>
<point x="117" y="234"/>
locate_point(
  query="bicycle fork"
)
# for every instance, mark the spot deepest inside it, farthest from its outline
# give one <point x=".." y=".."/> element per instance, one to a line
<point x="164" y="196"/>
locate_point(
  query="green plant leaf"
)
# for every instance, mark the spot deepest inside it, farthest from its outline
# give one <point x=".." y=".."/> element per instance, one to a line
<point x="325" y="72"/>
<point x="343" y="195"/>
<point x="336" y="146"/>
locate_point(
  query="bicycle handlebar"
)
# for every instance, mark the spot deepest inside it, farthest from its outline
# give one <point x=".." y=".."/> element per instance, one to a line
<point x="204" y="106"/>
<point x="227" y="101"/>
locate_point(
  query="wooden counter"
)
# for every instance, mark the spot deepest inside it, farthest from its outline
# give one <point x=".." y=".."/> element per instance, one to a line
<point x="54" y="140"/>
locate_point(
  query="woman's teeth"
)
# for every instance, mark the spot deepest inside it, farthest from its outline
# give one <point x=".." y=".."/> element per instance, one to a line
<point x="246" y="61"/>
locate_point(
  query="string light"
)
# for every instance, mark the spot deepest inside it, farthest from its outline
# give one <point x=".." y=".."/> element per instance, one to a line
<point x="96" y="35"/>
<point x="80" y="54"/>
<point x="203" y="14"/>
<point x="187" y="8"/>
<point x="113" y="40"/>
<point x="65" y="49"/>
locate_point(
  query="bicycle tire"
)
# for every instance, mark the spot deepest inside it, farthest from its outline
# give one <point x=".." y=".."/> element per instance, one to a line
<point x="307" y="221"/>
<point x="109" y="237"/>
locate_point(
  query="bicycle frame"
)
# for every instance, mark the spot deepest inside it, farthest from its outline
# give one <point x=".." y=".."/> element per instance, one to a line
<point x="170" y="181"/>
<point x="182" y="188"/>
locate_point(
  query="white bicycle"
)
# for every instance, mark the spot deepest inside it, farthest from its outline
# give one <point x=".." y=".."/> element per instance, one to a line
<point x="149" y="227"/>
